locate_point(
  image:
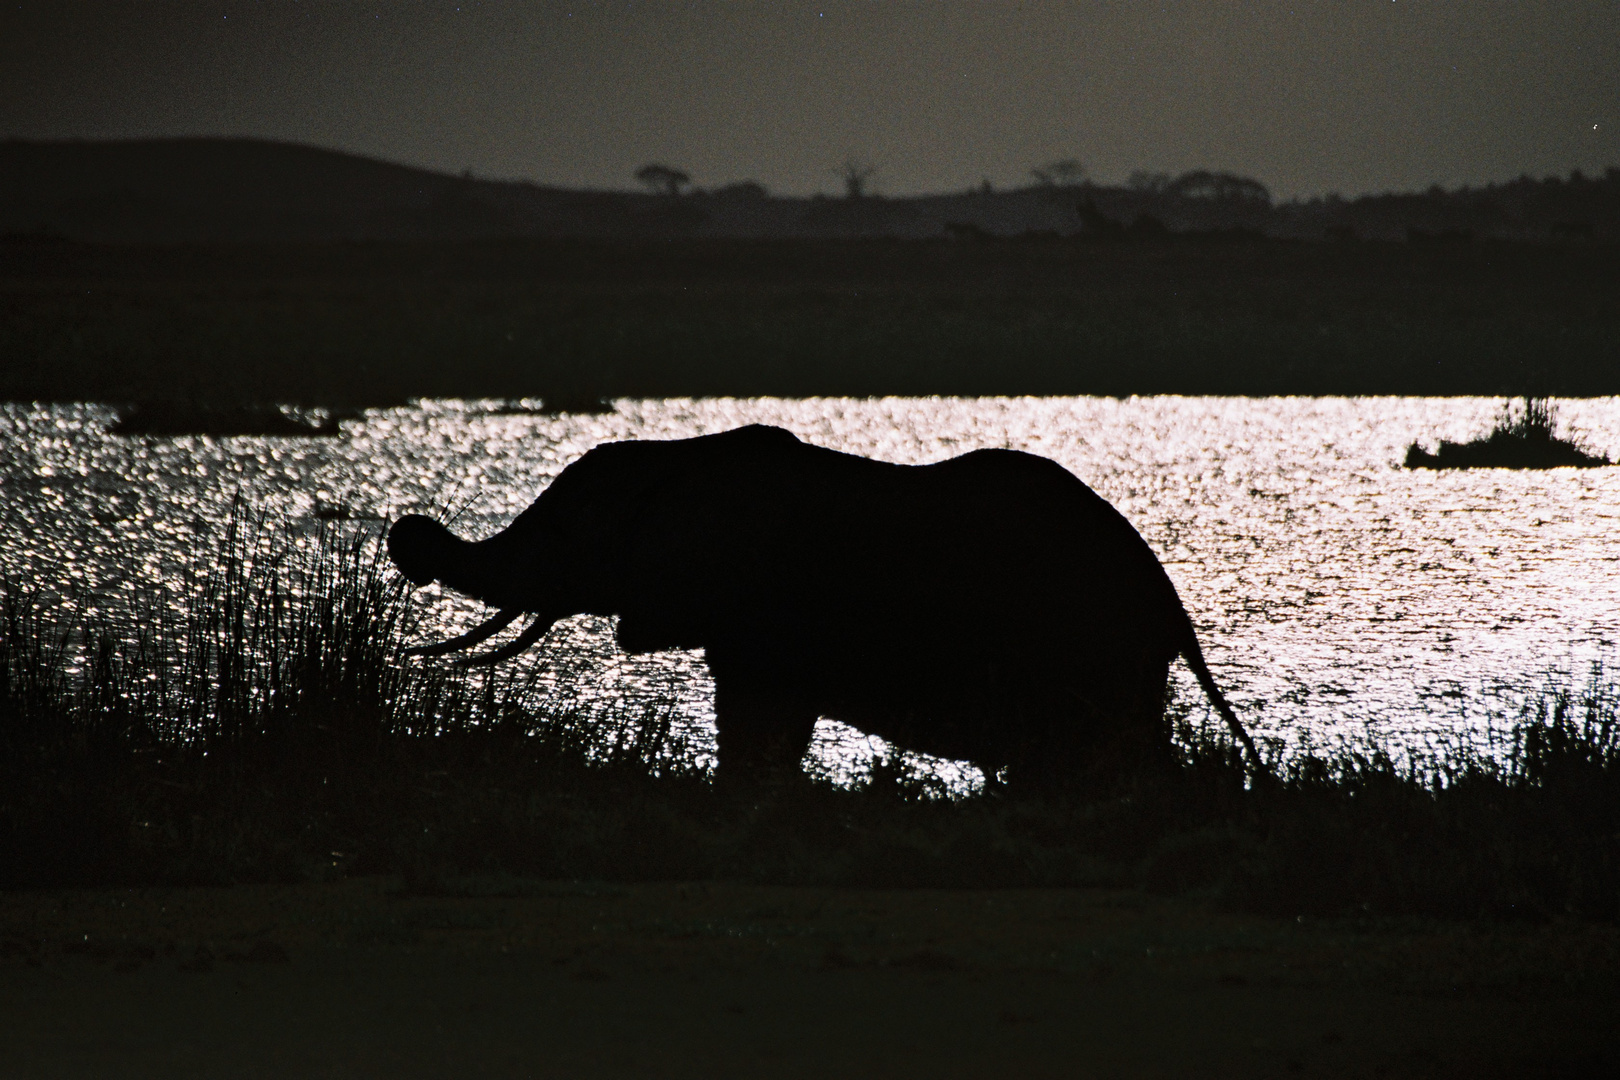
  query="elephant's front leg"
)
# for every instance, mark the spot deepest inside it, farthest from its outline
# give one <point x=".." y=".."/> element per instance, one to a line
<point x="759" y="733"/>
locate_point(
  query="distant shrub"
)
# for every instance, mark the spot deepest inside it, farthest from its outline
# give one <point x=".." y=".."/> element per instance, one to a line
<point x="1523" y="438"/>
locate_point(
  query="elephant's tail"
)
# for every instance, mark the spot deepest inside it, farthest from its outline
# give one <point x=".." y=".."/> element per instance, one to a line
<point x="1195" y="660"/>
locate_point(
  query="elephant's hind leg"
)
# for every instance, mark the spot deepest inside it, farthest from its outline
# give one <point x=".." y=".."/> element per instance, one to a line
<point x="759" y="733"/>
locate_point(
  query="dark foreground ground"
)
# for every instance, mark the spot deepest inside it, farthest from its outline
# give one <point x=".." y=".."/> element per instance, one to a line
<point x="369" y="324"/>
<point x="517" y="977"/>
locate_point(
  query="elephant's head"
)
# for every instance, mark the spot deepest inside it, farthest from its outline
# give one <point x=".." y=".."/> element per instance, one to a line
<point x="630" y="529"/>
<point x="425" y="551"/>
<point x="489" y="570"/>
<point x="564" y="555"/>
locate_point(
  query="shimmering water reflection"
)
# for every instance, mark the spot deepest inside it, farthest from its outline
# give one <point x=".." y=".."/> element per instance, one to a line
<point x="1337" y="594"/>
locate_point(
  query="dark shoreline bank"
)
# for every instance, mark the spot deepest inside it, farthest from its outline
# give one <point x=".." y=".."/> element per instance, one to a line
<point x="524" y="978"/>
<point x="370" y="324"/>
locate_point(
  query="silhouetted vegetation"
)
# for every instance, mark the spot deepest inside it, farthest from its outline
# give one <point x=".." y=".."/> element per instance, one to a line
<point x="662" y="179"/>
<point x="262" y="726"/>
<point x="1523" y="438"/>
<point x="857" y="178"/>
<point x="202" y="418"/>
<point x="235" y="190"/>
<point x="1064" y="173"/>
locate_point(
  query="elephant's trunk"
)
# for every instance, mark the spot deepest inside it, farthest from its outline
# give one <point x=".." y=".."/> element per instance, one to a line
<point x="426" y="551"/>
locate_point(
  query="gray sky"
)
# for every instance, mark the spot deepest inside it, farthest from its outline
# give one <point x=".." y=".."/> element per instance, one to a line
<point x="1307" y="96"/>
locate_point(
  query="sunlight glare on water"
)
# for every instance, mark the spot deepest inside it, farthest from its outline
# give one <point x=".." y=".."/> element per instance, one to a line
<point x="1337" y="594"/>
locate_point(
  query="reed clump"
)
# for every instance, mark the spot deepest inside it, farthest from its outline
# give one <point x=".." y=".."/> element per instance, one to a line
<point x="262" y="726"/>
<point x="1524" y="437"/>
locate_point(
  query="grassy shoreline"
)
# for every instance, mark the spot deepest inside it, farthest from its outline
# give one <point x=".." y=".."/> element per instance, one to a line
<point x="262" y="727"/>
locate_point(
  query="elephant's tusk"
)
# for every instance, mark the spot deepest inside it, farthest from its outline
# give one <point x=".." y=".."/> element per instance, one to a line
<point x="482" y="632"/>
<point x="534" y="633"/>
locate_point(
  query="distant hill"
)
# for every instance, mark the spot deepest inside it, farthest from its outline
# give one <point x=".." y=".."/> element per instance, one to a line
<point x="196" y="190"/>
<point x="233" y="190"/>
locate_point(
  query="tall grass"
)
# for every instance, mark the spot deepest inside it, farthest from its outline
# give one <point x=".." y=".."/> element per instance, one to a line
<point x="209" y="735"/>
<point x="261" y="725"/>
<point x="1535" y="420"/>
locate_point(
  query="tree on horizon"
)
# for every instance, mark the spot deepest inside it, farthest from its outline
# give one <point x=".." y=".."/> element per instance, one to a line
<point x="662" y="179"/>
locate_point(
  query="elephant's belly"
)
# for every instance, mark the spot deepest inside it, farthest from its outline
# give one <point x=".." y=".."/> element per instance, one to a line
<point x="1014" y="715"/>
<point x="961" y="695"/>
<point x="980" y="729"/>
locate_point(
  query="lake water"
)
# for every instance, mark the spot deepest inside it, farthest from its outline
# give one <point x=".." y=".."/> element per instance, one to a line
<point x="1337" y="595"/>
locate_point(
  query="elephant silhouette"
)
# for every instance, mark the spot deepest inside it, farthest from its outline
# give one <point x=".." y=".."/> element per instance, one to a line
<point x="989" y="608"/>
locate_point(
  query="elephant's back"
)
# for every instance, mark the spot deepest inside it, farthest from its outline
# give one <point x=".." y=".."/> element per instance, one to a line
<point x="994" y="552"/>
<point x="991" y="531"/>
<point x="1033" y="517"/>
<point x="997" y="555"/>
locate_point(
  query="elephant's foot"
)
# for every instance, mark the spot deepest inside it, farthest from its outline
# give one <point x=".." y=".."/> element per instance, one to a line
<point x="760" y="736"/>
